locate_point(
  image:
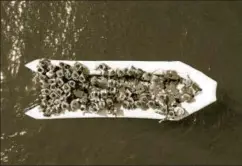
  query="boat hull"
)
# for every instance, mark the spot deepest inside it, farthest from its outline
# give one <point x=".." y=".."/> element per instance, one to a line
<point x="206" y="97"/>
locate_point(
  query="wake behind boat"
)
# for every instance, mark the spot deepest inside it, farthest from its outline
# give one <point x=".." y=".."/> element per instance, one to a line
<point x="120" y="89"/>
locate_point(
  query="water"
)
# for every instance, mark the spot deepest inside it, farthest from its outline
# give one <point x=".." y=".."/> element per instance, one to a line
<point x="206" y="35"/>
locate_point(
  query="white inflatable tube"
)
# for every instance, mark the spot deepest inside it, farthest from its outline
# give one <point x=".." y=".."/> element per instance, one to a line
<point x="203" y="99"/>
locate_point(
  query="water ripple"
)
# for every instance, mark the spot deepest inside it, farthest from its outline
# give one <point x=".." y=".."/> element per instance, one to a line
<point x="11" y="148"/>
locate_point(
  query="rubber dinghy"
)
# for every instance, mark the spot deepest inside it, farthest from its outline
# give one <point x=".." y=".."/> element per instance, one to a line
<point x="162" y="90"/>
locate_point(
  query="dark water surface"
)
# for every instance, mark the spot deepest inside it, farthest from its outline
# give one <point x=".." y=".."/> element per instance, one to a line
<point x="205" y="35"/>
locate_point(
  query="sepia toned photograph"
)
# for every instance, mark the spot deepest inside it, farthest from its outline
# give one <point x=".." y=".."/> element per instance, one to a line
<point x="121" y="82"/>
